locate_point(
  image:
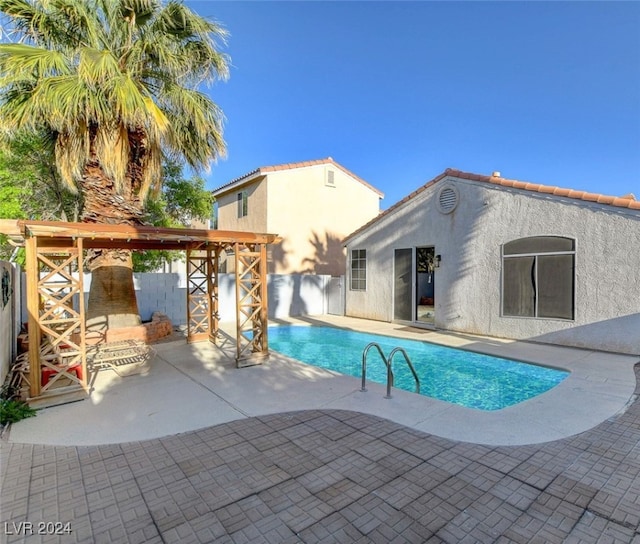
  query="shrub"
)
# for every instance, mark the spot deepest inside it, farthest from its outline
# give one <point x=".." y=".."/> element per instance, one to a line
<point x="12" y="411"/>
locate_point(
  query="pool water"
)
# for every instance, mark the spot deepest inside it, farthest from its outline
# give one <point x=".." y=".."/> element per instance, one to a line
<point x="461" y="377"/>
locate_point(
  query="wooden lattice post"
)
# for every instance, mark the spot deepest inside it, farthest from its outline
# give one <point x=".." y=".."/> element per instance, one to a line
<point x="251" y="303"/>
<point x="55" y="301"/>
<point x="198" y="297"/>
<point x="214" y="263"/>
<point x="33" y="309"/>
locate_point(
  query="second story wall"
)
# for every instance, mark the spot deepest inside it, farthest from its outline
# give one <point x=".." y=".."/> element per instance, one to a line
<point x="313" y="208"/>
<point x="255" y="219"/>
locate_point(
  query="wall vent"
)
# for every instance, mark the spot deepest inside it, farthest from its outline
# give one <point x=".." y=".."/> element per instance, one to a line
<point x="331" y="182"/>
<point x="447" y="199"/>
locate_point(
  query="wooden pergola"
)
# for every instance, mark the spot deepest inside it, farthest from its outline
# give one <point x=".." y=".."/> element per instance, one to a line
<point x="55" y="291"/>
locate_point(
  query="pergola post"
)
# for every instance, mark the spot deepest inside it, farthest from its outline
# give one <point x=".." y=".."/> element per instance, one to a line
<point x="57" y="355"/>
<point x="214" y="315"/>
<point x="251" y="303"/>
<point x="198" y="305"/>
<point x="33" y="309"/>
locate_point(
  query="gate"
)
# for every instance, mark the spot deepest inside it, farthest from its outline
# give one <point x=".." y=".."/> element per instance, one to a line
<point x="336" y="296"/>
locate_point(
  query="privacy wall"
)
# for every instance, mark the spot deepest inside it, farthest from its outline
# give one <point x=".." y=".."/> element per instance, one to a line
<point x="289" y="295"/>
<point x="9" y="293"/>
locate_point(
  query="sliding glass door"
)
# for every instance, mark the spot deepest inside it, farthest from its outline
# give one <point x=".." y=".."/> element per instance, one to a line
<point x="403" y="285"/>
<point x="414" y="285"/>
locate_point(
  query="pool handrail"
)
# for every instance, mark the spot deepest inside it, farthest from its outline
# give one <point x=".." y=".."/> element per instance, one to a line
<point x="386" y="362"/>
<point x="411" y="367"/>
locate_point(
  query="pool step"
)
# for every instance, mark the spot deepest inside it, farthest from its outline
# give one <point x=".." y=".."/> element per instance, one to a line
<point x="388" y="362"/>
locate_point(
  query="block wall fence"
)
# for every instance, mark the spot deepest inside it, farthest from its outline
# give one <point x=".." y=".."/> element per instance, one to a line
<point x="289" y="295"/>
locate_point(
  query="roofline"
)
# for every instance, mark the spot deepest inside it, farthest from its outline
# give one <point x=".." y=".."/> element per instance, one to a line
<point x="628" y="201"/>
<point x="263" y="170"/>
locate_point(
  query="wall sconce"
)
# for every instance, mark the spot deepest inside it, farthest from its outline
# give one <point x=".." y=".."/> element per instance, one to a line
<point x="436" y="261"/>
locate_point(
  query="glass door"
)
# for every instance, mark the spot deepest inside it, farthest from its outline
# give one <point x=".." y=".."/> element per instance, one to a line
<point x="425" y="285"/>
<point x="403" y="285"/>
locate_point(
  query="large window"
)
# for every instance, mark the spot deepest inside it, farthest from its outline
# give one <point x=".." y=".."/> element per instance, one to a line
<point x="358" y="269"/>
<point x="243" y="204"/>
<point x="538" y="277"/>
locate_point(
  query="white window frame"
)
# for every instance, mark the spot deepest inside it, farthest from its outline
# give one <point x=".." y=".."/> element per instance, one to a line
<point x="358" y="283"/>
<point x="243" y="204"/>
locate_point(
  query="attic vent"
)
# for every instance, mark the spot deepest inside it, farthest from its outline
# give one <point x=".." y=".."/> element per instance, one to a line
<point x="330" y="179"/>
<point x="447" y="199"/>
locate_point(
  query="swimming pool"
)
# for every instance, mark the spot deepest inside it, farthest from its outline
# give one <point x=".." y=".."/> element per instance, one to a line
<point x="461" y="377"/>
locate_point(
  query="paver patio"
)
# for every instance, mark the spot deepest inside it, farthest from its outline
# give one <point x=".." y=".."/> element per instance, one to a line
<point x="329" y="476"/>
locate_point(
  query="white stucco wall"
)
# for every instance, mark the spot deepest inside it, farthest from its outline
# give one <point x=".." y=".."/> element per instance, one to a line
<point x="468" y="282"/>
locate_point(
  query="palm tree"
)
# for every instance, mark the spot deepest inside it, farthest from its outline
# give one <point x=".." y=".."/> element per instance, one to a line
<point x="116" y="85"/>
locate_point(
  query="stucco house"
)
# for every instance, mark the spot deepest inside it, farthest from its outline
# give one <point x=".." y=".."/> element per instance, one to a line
<point x="311" y="205"/>
<point x="499" y="257"/>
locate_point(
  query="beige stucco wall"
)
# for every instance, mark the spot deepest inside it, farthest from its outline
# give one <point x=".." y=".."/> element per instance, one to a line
<point x="314" y="218"/>
<point x="311" y="217"/>
<point x="256" y="219"/>
<point x="468" y="282"/>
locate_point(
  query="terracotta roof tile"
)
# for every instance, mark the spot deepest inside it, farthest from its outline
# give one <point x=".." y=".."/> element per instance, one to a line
<point x="604" y="199"/>
<point x="591" y="197"/>
<point x="627" y="201"/>
<point x="291" y="166"/>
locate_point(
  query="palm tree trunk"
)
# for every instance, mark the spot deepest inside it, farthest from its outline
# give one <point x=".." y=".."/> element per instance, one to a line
<point x="112" y="298"/>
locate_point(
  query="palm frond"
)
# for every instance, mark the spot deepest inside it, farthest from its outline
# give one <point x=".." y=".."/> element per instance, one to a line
<point x="97" y="67"/>
<point x="112" y="146"/>
<point x="20" y="61"/>
<point x="72" y="150"/>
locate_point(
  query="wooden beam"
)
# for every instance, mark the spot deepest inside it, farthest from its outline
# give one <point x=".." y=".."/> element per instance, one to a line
<point x="81" y="310"/>
<point x="264" y="299"/>
<point x="33" y="309"/>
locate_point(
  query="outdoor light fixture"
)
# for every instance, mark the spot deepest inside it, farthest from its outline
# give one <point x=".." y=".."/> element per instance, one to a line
<point x="437" y="260"/>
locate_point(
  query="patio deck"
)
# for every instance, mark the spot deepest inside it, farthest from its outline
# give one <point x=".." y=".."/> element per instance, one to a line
<point x="197" y="385"/>
<point x="325" y="472"/>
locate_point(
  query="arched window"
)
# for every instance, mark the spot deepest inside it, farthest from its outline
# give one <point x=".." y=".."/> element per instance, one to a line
<point x="538" y="277"/>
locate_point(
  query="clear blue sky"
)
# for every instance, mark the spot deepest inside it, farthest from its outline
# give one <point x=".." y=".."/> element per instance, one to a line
<point x="398" y="91"/>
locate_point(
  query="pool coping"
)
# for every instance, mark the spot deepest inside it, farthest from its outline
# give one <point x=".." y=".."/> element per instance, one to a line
<point x="600" y="386"/>
<point x="349" y="362"/>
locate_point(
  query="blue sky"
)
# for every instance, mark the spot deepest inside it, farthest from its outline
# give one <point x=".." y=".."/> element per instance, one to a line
<point x="547" y="92"/>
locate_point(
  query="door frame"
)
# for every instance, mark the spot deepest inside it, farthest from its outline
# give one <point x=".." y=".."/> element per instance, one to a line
<point x="413" y="322"/>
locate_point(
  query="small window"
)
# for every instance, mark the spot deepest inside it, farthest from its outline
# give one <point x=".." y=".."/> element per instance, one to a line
<point x="538" y="277"/>
<point x="214" y="216"/>
<point x="243" y="204"/>
<point x="358" y="269"/>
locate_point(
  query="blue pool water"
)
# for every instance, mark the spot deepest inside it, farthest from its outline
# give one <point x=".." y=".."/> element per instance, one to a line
<point x="461" y="377"/>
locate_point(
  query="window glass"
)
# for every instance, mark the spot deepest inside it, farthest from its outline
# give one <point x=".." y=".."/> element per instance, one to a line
<point x="519" y="287"/>
<point x="539" y="244"/>
<point x="539" y="284"/>
<point x="555" y="279"/>
<point x="243" y="204"/>
<point x="358" y="269"/>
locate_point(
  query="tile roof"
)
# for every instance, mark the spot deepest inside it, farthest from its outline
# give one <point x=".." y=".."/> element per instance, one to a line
<point x="628" y="201"/>
<point x="290" y="166"/>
